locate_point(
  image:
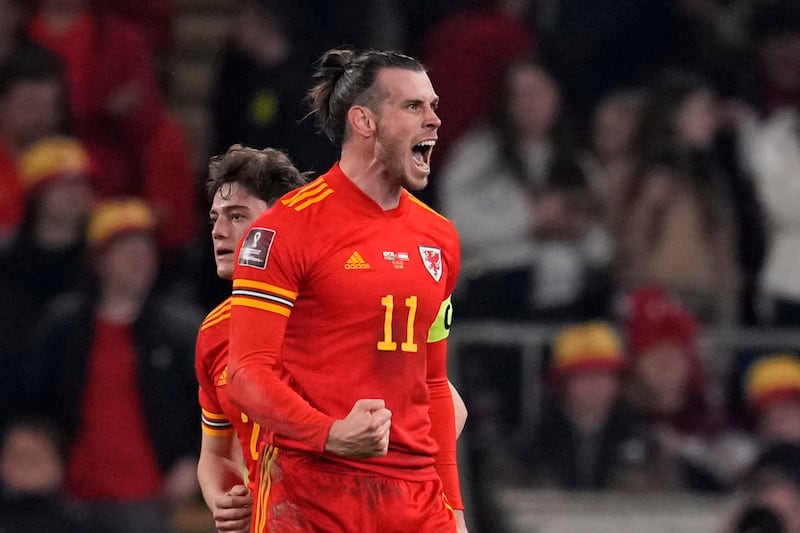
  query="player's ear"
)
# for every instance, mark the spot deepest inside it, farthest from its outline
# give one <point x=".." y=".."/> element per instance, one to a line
<point x="362" y="121"/>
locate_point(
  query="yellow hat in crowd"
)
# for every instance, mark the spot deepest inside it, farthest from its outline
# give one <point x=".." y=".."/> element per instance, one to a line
<point x="113" y="218"/>
<point x="771" y="378"/>
<point x="53" y="158"/>
<point x="583" y="347"/>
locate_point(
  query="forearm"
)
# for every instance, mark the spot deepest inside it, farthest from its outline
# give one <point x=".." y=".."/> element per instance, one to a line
<point x="217" y="475"/>
<point x="459" y="409"/>
<point x="217" y="470"/>
<point x="256" y="389"/>
<point x="257" y="379"/>
<point x="443" y="422"/>
<point x="443" y="430"/>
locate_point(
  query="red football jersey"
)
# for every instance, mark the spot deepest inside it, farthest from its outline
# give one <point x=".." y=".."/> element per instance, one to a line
<point x="338" y="299"/>
<point x="219" y="416"/>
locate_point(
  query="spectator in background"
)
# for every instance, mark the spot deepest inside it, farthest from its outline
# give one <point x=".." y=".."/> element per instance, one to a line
<point x="530" y="231"/>
<point x="681" y="230"/>
<point x="587" y="437"/>
<point x="31" y="107"/>
<point x="467" y="53"/>
<point x="118" y="112"/>
<point x="772" y="390"/>
<point x="774" y="31"/>
<point x="45" y="258"/>
<point x="666" y="384"/>
<point x="154" y="19"/>
<point x="115" y="364"/>
<point x="770" y="149"/>
<point x="773" y="488"/>
<point x="31" y="478"/>
<point x="259" y="91"/>
<point x="611" y="155"/>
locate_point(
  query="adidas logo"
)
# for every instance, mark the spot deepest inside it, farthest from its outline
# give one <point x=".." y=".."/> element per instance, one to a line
<point x="222" y="380"/>
<point x="356" y="262"/>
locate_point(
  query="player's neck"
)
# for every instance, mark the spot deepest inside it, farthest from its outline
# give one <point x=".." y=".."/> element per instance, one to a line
<point x="372" y="177"/>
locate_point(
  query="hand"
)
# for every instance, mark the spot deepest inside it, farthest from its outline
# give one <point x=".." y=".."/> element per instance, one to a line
<point x="364" y="433"/>
<point x="232" y="510"/>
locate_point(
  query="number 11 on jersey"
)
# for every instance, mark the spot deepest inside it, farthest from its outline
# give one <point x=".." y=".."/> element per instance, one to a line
<point x="387" y="344"/>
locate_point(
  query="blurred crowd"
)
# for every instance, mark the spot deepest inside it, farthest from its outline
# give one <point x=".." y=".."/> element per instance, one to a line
<point x="623" y="170"/>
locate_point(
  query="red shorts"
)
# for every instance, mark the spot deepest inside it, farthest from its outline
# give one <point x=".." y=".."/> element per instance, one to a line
<point x="295" y="495"/>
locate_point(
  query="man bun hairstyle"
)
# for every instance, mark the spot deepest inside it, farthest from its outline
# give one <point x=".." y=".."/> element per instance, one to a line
<point x="344" y="77"/>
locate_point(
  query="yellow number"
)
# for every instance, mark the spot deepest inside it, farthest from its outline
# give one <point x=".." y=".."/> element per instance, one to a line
<point x="387" y="344"/>
<point x="253" y="438"/>
<point x="410" y="345"/>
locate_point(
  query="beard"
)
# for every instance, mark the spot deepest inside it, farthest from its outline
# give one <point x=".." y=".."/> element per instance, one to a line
<point x="400" y="166"/>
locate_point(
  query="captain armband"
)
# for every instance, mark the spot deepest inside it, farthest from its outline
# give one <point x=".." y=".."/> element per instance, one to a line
<point x="440" y="329"/>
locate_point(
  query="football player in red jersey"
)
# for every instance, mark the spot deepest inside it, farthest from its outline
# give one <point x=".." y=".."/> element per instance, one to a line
<point x="340" y="315"/>
<point x="243" y="183"/>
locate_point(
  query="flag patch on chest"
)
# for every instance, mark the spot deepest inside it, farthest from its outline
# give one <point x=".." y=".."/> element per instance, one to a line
<point x="432" y="259"/>
<point x="397" y="258"/>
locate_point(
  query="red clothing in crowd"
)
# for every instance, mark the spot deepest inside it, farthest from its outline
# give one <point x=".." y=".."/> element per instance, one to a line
<point x="336" y="300"/>
<point x="119" y="114"/>
<point x="169" y="183"/>
<point x="104" y="58"/>
<point x="12" y="196"/>
<point x="467" y="53"/>
<point x="112" y="439"/>
<point x="153" y="18"/>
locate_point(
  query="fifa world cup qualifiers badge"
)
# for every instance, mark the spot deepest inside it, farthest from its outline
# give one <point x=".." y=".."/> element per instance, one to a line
<point x="255" y="248"/>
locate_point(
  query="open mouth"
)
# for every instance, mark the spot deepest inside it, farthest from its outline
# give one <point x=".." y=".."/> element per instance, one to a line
<point x="222" y="252"/>
<point x="422" y="153"/>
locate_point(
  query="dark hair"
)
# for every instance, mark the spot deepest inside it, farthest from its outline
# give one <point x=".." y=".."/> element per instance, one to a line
<point x="658" y="145"/>
<point x="502" y="121"/>
<point x="344" y="77"/>
<point x="29" y="63"/>
<point x="666" y="93"/>
<point x="267" y="173"/>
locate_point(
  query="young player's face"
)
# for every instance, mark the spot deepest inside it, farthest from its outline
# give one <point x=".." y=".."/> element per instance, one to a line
<point x="407" y="126"/>
<point x="232" y="212"/>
